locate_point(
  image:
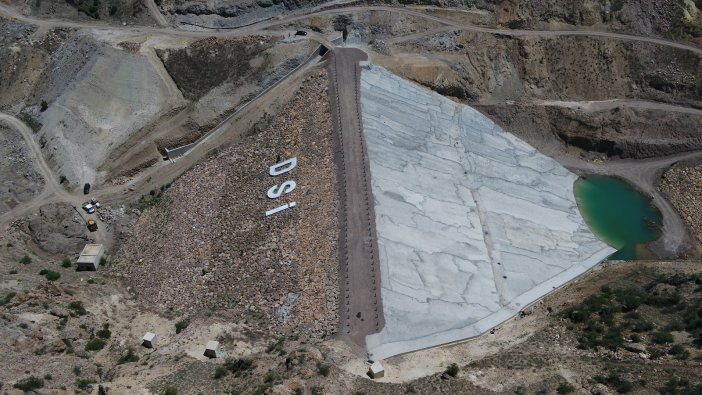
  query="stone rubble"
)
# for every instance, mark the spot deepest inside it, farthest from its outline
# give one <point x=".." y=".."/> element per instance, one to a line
<point x="206" y="246"/>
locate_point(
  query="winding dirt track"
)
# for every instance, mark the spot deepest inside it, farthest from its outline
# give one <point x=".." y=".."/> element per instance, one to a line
<point x="449" y="25"/>
<point x="643" y="173"/>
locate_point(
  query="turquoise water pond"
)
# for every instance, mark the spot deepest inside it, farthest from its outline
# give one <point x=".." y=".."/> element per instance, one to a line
<point x="619" y="215"/>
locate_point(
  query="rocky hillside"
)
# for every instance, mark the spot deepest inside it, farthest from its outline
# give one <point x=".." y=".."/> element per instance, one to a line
<point x="674" y="19"/>
<point x="214" y="249"/>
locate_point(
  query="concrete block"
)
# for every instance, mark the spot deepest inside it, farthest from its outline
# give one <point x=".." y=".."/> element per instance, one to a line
<point x="149" y="340"/>
<point x="376" y="370"/>
<point x="212" y="349"/>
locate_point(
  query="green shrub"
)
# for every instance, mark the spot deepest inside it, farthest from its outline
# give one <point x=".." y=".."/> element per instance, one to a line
<point x="171" y="390"/>
<point x="26" y="260"/>
<point x="679" y="352"/>
<point x="642" y="326"/>
<point x="565" y="388"/>
<point x="48" y="376"/>
<point x="104" y="333"/>
<point x="103" y="261"/>
<point x="130" y="356"/>
<point x="29" y="384"/>
<point x="44" y="106"/>
<point x="276" y="346"/>
<point x="680" y="386"/>
<point x="7" y="299"/>
<point x="635" y="338"/>
<point x="77" y="308"/>
<point x="661" y="337"/>
<point x="83" y="384"/>
<point x="66" y="262"/>
<point x="239" y="366"/>
<point x="52" y="276"/>
<point x="94" y="344"/>
<point x="452" y="370"/>
<point x="323" y="369"/>
<point x="220" y="372"/>
<point x="180" y="325"/>
<point x="622" y="386"/>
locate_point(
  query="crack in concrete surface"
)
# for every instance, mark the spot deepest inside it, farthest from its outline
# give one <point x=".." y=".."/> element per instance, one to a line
<point x="473" y="224"/>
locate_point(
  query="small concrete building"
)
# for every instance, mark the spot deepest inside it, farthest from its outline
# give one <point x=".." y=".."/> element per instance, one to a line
<point x="212" y="349"/>
<point x="149" y="340"/>
<point x="376" y="370"/>
<point x="90" y="257"/>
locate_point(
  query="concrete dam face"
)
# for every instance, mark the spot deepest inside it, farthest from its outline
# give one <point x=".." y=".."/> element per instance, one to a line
<point x="473" y="224"/>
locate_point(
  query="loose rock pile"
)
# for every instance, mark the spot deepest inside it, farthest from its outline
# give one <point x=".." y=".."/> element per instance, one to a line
<point x="206" y="245"/>
<point x="683" y="187"/>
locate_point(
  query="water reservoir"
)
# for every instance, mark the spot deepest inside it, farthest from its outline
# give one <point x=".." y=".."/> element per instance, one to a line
<point x="619" y="215"/>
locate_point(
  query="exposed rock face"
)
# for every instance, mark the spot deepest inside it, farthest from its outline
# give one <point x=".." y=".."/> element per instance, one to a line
<point x="625" y="132"/>
<point x="225" y="13"/>
<point x="57" y="229"/>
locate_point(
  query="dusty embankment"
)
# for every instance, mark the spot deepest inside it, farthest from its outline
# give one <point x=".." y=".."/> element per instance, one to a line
<point x="20" y="179"/>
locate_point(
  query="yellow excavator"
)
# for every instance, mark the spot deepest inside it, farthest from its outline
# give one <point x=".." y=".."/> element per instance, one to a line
<point x="90" y="223"/>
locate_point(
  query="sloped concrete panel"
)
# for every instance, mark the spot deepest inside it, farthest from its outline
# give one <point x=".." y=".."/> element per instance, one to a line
<point x="473" y="224"/>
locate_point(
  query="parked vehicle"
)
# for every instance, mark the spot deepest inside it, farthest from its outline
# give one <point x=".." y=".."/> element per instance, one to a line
<point x="89" y="208"/>
<point x="300" y="33"/>
<point x="86" y="189"/>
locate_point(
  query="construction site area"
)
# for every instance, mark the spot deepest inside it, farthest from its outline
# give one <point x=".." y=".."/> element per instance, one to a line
<point x="350" y="197"/>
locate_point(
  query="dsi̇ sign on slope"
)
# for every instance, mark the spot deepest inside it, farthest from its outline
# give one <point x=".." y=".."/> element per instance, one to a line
<point x="473" y="224"/>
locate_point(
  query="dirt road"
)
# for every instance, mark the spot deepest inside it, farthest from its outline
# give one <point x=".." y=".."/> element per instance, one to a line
<point x="454" y="26"/>
<point x="361" y="310"/>
<point x="603" y="105"/>
<point x="53" y="192"/>
<point x="259" y="28"/>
